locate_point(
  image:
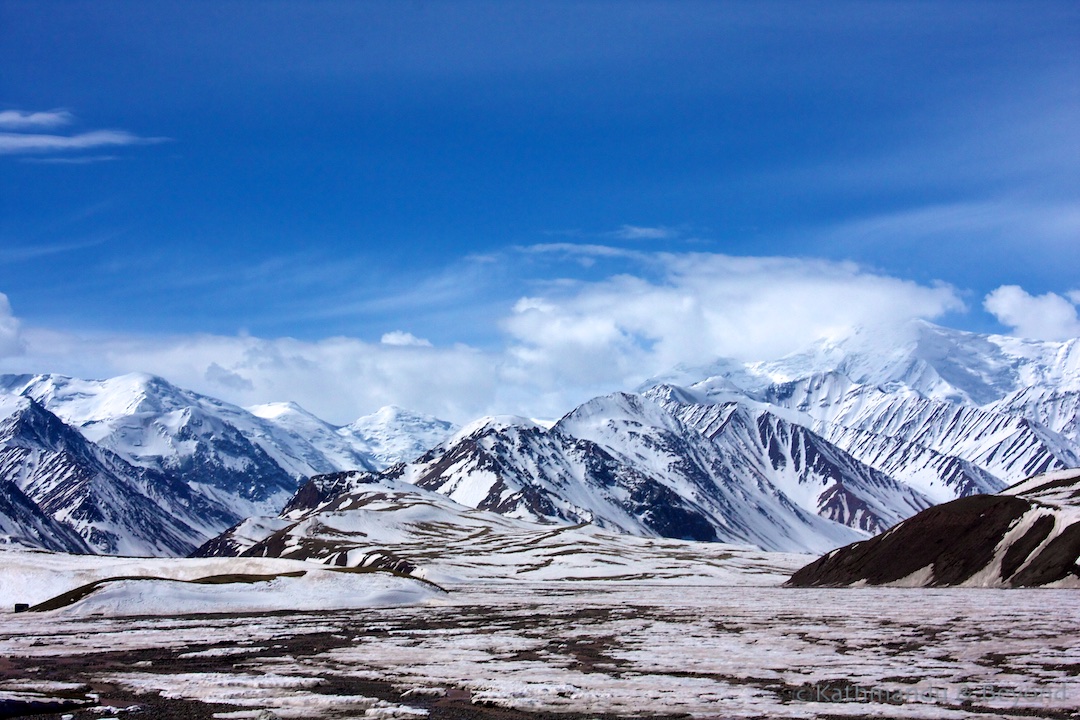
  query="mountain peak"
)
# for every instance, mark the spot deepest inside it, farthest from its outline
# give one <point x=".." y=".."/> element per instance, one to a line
<point x="273" y="410"/>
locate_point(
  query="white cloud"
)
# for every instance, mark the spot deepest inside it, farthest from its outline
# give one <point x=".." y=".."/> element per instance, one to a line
<point x="1040" y="317"/>
<point x="583" y="249"/>
<point x="19" y="120"/>
<point x="11" y="143"/>
<point x="707" y="306"/>
<point x="10" y="336"/>
<point x="569" y="342"/>
<point x="78" y="160"/>
<point x="403" y="339"/>
<point x="637" y="232"/>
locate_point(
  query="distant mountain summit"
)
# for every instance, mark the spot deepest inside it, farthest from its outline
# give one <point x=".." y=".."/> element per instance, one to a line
<point x="393" y="434"/>
<point x="949" y="413"/>
<point x="916" y="357"/>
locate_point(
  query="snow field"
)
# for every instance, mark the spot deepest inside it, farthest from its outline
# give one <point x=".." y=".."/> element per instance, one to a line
<point x="631" y="648"/>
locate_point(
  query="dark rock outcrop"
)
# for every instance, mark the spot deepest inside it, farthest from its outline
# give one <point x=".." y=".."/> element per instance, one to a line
<point x="1026" y="536"/>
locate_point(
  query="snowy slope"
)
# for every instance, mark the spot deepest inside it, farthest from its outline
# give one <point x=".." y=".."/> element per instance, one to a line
<point x="171" y="586"/>
<point x="22" y="522"/>
<point x="370" y="521"/>
<point x="305" y="445"/>
<point x="812" y="472"/>
<point x="1006" y="445"/>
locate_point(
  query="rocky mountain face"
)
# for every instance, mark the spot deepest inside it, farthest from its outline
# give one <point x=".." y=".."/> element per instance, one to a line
<point x="946" y="412"/>
<point x="1025" y="536"/>
<point x="137" y="466"/>
<point x="87" y="492"/>
<point x="23" y="523"/>
<point x="631" y="464"/>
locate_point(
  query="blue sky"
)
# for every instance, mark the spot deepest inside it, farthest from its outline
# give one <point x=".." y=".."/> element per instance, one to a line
<point x="182" y="182"/>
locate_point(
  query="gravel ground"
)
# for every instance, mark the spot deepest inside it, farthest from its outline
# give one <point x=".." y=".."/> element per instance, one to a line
<point x="570" y="650"/>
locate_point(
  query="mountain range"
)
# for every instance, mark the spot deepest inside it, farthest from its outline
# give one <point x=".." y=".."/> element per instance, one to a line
<point x="137" y="466"/>
<point x="821" y="448"/>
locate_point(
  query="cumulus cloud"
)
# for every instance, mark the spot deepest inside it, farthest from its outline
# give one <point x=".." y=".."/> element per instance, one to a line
<point x="401" y="338"/>
<point x="10" y="336"/>
<point x="705" y="306"/>
<point x="19" y="120"/>
<point x="560" y="345"/>
<point x="1040" y="317"/>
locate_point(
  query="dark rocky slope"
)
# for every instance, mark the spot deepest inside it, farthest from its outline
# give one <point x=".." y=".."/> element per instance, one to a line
<point x="1026" y="536"/>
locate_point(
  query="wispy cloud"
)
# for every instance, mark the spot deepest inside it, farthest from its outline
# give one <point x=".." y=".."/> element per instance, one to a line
<point x="79" y="160"/>
<point x="581" y="249"/>
<point x="19" y="120"/>
<point x="15" y="253"/>
<point x="639" y="232"/>
<point x="1001" y="225"/>
<point x="21" y="134"/>
<point x="11" y="143"/>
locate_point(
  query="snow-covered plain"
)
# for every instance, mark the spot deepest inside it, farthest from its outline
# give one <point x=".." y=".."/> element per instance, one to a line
<point x="625" y="648"/>
<point x="166" y="586"/>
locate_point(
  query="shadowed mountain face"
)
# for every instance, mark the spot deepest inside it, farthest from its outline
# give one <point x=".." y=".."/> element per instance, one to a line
<point x="84" y="490"/>
<point x="1026" y="536"/>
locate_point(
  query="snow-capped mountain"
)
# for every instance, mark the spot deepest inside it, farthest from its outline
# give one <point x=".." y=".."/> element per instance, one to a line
<point x="933" y="362"/>
<point x="814" y="473"/>
<point x="1026" y="536"/>
<point x="392" y="434"/>
<point x="86" y="491"/>
<point x="949" y="413"/>
<point x="155" y="425"/>
<point x="303" y="444"/>
<point x="22" y="522"/>
<point x="626" y="463"/>
<point x="804" y="453"/>
<point x="173" y="466"/>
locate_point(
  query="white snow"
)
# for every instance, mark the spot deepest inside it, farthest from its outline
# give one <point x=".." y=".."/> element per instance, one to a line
<point x="29" y="576"/>
<point x="315" y="589"/>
